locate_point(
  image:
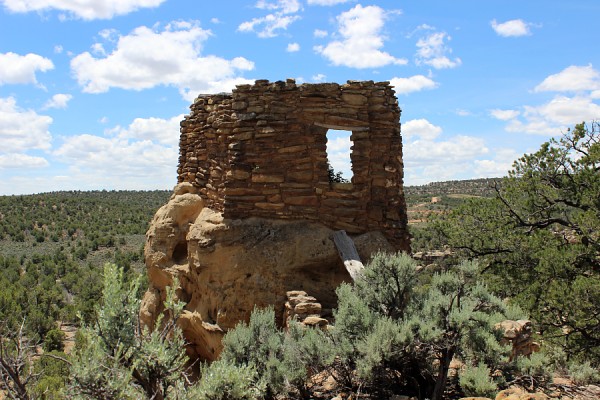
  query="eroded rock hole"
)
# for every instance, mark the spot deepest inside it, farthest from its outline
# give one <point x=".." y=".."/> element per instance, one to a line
<point x="180" y="252"/>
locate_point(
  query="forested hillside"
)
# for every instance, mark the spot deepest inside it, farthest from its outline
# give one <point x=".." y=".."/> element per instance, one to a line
<point x="473" y="187"/>
<point x="53" y="247"/>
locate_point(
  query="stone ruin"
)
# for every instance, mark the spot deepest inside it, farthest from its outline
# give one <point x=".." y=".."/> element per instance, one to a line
<point x="254" y="220"/>
<point x="261" y="152"/>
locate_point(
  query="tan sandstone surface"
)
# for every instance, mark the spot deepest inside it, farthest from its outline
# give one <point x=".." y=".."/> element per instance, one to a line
<point x="225" y="268"/>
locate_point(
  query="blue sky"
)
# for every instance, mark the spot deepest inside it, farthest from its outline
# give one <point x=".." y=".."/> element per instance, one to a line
<point x="92" y="91"/>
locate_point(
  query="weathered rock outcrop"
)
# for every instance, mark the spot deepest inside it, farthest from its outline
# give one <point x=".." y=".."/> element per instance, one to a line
<point x="225" y="268"/>
<point x="519" y="334"/>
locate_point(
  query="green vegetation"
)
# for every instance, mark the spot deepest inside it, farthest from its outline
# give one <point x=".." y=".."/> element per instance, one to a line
<point x="476" y="381"/>
<point x="335" y="177"/>
<point x="401" y="329"/>
<point x="470" y="187"/>
<point x="282" y="361"/>
<point x="530" y="248"/>
<point x="116" y="359"/>
<point x="538" y="240"/>
<point x="52" y="248"/>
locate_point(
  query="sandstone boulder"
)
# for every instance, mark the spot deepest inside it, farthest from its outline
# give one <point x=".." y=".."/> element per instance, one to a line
<point x="519" y="335"/>
<point x="517" y="393"/>
<point x="226" y="268"/>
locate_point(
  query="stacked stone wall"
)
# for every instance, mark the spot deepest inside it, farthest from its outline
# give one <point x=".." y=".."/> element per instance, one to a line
<point x="262" y="152"/>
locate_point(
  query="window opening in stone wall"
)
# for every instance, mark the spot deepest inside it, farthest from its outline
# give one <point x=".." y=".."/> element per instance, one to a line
<point x="338" y="155"/>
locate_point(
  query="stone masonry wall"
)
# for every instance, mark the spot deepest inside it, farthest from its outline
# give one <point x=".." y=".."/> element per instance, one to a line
<point x="261" y="152"/>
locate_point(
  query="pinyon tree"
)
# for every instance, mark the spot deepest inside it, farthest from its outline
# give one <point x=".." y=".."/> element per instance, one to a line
<point x="538" y="239"/>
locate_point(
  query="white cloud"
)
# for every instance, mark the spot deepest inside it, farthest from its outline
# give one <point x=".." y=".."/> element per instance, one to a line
<point x="59" y="100"/>
<point x="272" y="23"/>
<point x="504" y="115"/>
<point x="420" y="128"/>
<point x="432" y="51"/>
<point x="284" y="6"/>
<point x="499" y="165"/>
<point x="84" y="9"/>
<point x="326" y="2"/>
<point x="318" y="78"/>
<point x="21" y="161"/>
<point x="571" y="79"/>
<point x="319" y="33"/>
<point x="362" y="40"/>
<point x="164" y="131"/>
<point x="141" y="156"/>
<point x="441" y="160"/>
<point x="22" y="130"/>
<point x="428" y="157"/>
<point x="555" y="116"/>
<point x="58" y="49"/>
<point x="456" y="148"/>
<point x="269" y="25"/>
<point x="463" y="113"/>
<point x="98" y="49"/>
<point x="147" y="58"/>
<point x="561" y="112"/>
<point x="118" y="161"/>
<point x="15" y="68"/>
<point x="34" y="183"/>
<point x="292" y="47"/>
<point x="512" y="28"/>
<point x="415" y="83"/>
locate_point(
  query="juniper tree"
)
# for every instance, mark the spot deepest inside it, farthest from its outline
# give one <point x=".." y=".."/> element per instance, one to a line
<point x="538" y="239"/>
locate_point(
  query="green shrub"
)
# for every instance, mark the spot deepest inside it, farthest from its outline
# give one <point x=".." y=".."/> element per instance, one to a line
<point x="52" y="372"/>
<point x="306" y="351"/>
<point x="284" y="361"/>
<point x="387" y="285"/>
<point x="387" y="323"/>
<point x="54" y="363"/>
<point x="49" y="388"/>
<point x="538" y="239"/>
<point x="54" y="340"/>
<point x="257" y="344"/>
<point x="536" y="367"/>
<point x="584" y="373"/>
<point x="476" y="381"/>
<point x="115" y="358"/>
<point x="222" y="380"/>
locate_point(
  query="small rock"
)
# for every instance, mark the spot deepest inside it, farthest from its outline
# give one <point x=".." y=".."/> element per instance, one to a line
<point x="315" y="321"/>
<point x="308" y="308"/>
<point x="516" y="393"/>
<point x="475" y="398"/>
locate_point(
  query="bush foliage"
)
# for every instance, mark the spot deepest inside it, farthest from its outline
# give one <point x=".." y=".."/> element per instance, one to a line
<point x="538" y="239"/>
<point x="535" y="243"/>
